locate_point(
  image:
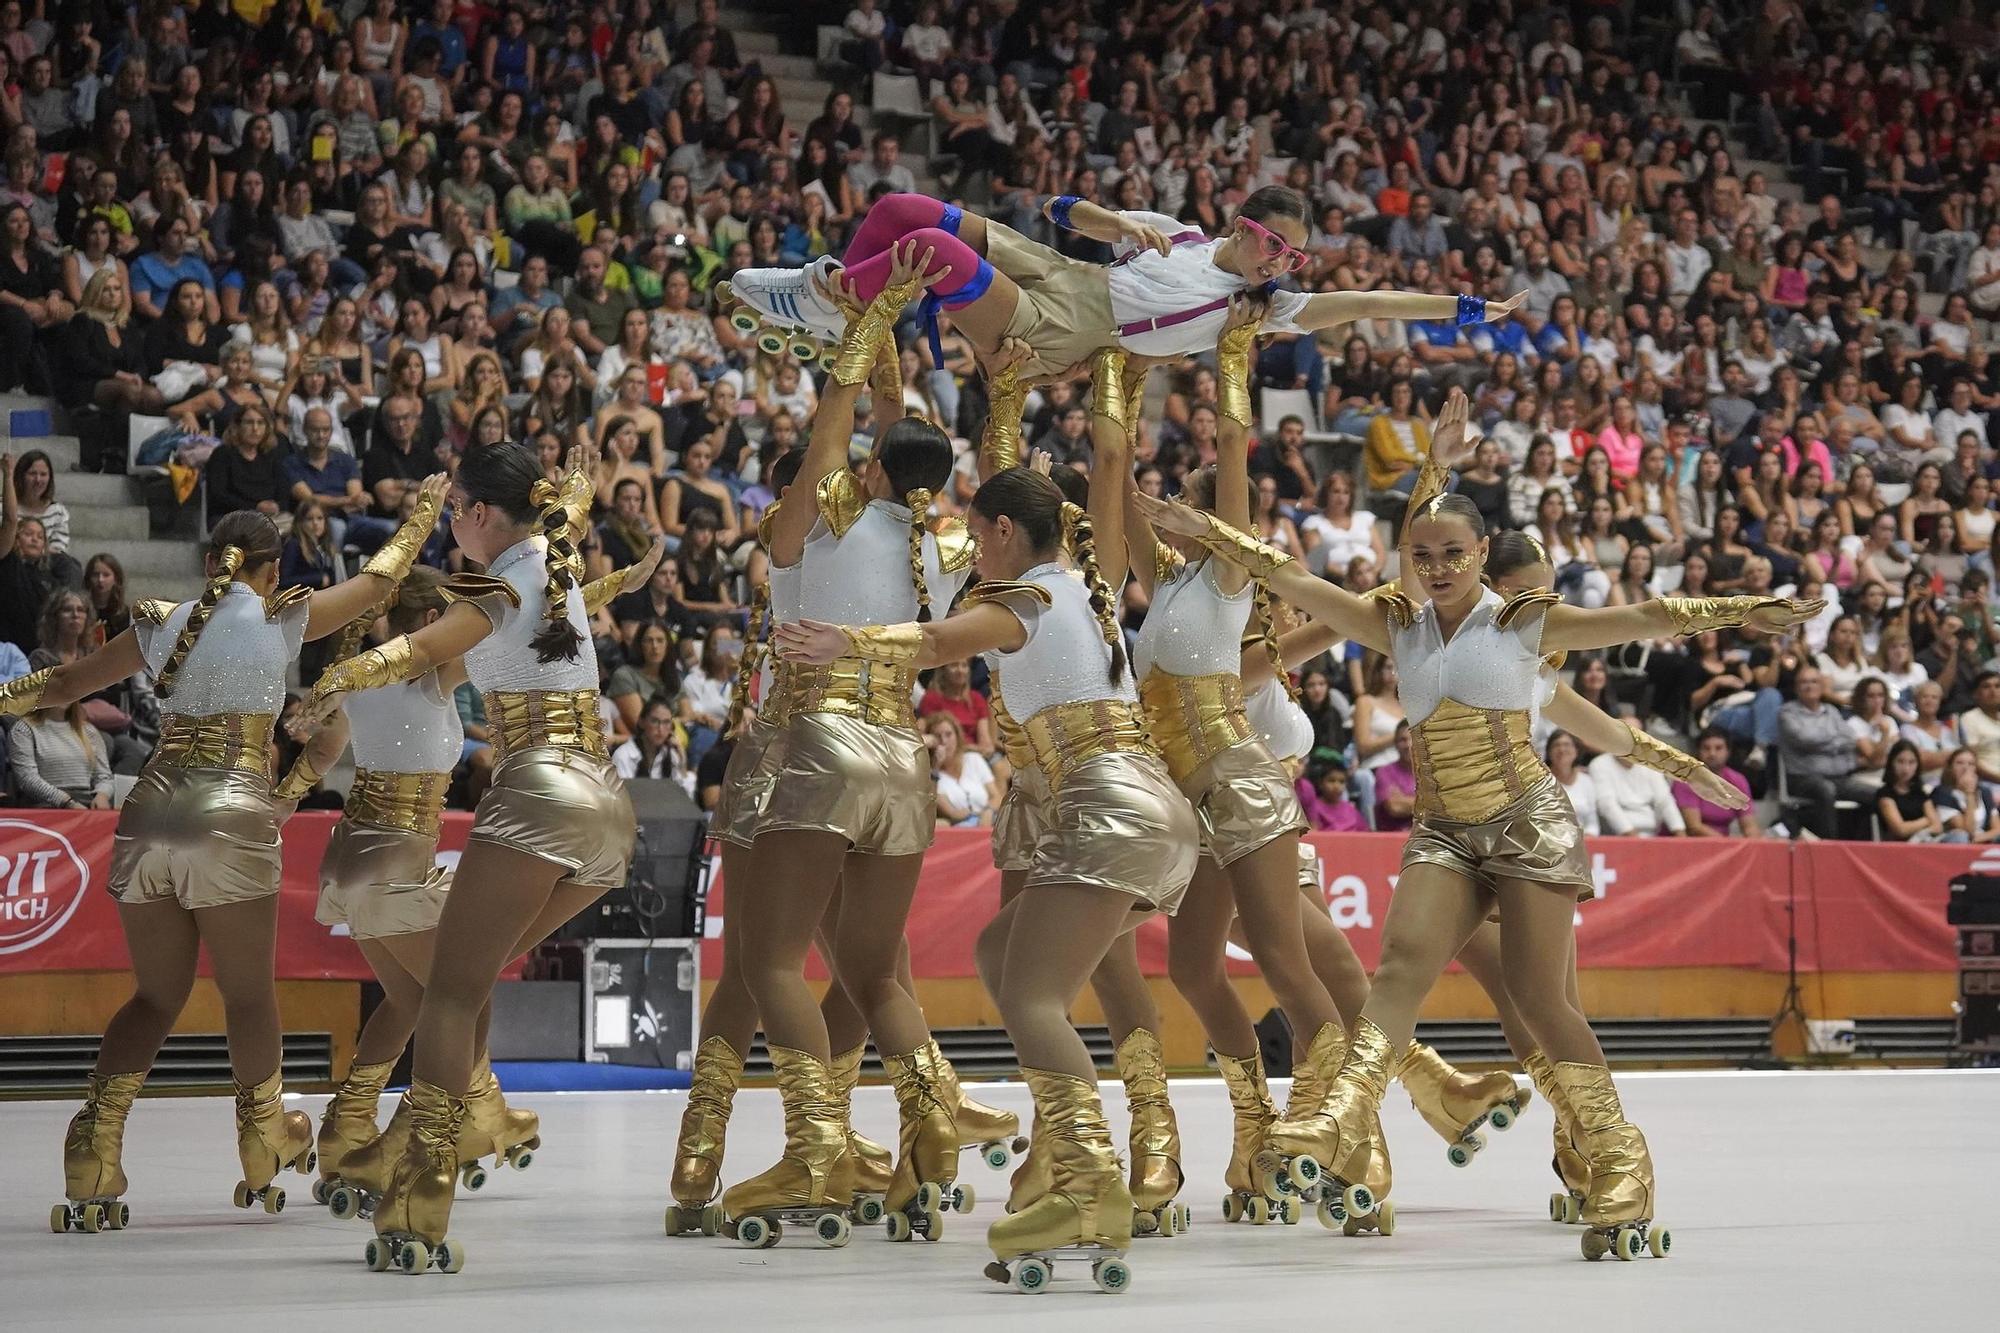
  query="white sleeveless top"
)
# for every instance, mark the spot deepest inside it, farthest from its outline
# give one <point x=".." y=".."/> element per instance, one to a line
<point x="408" y="728"/>
<point x="862" y="577"/>
<point x="238" y="664"/>
<point x="505" y="659"/>
<point x="787" y="587"/>
<point x="1065" y="659"/>
<point x="1193" y="628"/>
<point x="1287" y="731"/>
<point x="1484" y="666"/>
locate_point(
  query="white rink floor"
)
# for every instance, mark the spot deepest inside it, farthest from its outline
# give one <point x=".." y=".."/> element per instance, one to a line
<point x="1796" y="1200"/>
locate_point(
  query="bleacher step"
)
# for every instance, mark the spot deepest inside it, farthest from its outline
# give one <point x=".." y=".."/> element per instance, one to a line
<point x="89" y="523"/>
<point x="148" y="562"/>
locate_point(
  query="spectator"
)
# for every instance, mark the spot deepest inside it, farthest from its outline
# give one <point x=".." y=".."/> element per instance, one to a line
<point x="311" y="557"/>
<point x="951" y="693"/>
<point x="31" y="295"/>
<point x="1980" y="725"/>
<point x="967" y="793"/>
<point x="1631" y="800"/>
<point x="1964" y="803"/>
<point x="1396" y="786"/>
<point x="247" y="471"/>
<point x="396" y="462"/>
<point x="157" y="273"/>
<point x="35" y="497"/>
<point x="705" y="691"/>
<point x="1702" y="817"/>
<point x="29" y="571"/>
<point x="1819" y="755"/>
<point x="1398" y="440"/>
<point x="99" y="364"/>
<point x="651" y="674"/>
<point x="59" y="761"/>
<point x="104" y="585"/>
<point x="1903" y="803"/>
<point x="658" y="748"/>
<point x="1323" y="795"/>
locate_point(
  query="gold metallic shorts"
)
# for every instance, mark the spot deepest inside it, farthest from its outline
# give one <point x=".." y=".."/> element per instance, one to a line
<point x="1243" y="800"/>
<point x="745" y="784"/>
<point x="1065" y="307"/>
<point x="1309" y="871"/>
<point x="380" y="881"/>
<point x="869" y="783"/>
<point x="1023" y="815"/>
<point x="1119" y="823"/>
<point x="1536" y="838"/>
<point x="202" y="837"/>
<point x="562" y="805"/>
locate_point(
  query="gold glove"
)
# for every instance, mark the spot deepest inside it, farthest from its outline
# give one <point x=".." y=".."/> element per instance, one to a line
<point x="1649" y="751"/>
<point x="305" y="775"/>
<point x="390" y="664"/>
<point x="885" y="380"/>
<point x="1136" y="371"/>
<point x="23" y="694"/>
<point x="863" y="339"/>
<point x="1107" y="385"/>
<point x="894" y="645"/>
<point x="577" y="492"/>
<point x="1692" y="615"/>
<point x="1000" y="446"/>
<point x="393" y="561"/>
<point x="1260" y="560"/>
<point x="600" y="593"/>
<point x="1433" y="480"/>
<point x="1233" y="383"/>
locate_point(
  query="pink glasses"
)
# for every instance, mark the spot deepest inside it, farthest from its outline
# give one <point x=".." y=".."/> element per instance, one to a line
<point x="1274" y="247"/>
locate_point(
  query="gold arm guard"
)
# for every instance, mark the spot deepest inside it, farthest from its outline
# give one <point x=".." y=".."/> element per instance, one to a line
<point x="600" y="593"/>
<point x="894" y="645"/>
<point x="23" y="694"/>
<point x="1261" y="560"/>
<point x="1433" y="480"/>
<point x="862" y="342"/>
<point x="1107" y="386"/>
<point x="391" y="664"/>
<point x="393" y="561"/>
<point x="577" y="492"/>
<point x="1233" y="381"/>
<point x="1651" y="752"/>
<point x="1692" y="615"/>
<point x="885" y="379"/>
<point x="1000" y="446"/>
<point x="304" y="776"/>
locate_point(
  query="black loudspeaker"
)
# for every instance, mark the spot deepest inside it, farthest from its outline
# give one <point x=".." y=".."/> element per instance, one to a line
<point x="1274" y="1036"/>
<point x="660" y="890"/>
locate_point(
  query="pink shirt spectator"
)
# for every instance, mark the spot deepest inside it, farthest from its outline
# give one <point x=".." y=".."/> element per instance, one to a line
<point x="1721" y="821"/>
<point x="1816" y="452"/>
<point x="1624" y="448"/>
<point x="1392" y="780"/>
<point x="1325" y="816"/>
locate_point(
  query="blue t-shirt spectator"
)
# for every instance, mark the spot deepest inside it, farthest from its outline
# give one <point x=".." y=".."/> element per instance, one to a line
<point x="154" y="276"/>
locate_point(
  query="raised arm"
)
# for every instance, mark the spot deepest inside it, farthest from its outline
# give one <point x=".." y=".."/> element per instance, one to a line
<point x="1110" y="466"/>
<point x="331" y="608"/>
<point x="61" y="686"/>
<point x="1007" y="399"/>
<point x="1575" y="628"/>
<point x="1232" y="440"/>
<point x="1102" y="224"/>
<point x="1451" y="443"/>
<point x="1330" y="308"/>
<point x="449" y="637"/>
<point x="600" y="593"/>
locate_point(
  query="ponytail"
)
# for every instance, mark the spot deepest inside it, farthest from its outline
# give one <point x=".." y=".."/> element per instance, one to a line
<point x="1081" y="540"/>
<point x="1267" y="629"/>
<point x="227" y="561"/>
<point x="557" y="638"/>
<point x="919" y="501"/>
<point x="752" y="659"/>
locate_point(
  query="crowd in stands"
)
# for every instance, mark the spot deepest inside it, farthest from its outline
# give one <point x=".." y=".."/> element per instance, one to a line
<point x="329" y="249"/>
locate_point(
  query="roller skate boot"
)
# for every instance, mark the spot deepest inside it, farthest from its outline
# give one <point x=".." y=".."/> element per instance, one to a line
<point x="1618" y="1204"/>
<point x="1031" y="1178"/>
<point x="93" y="1149"/>
<point x="364" y="1171"/>
<point x="268" y="1139"/>
<point x="1255" y="1113"/>
<point x="1326" y="1155"/>
<point x="1376" y="1178"/>
<point x="1568" y="1164"/>
<point x="789" y="309"/>
<point x="1086" y="1213"/>
<point x="718" y="1072"/>
<point x="1312" y="1079"/>
<point x="1456" y="1105"/>
<point x="1154" y="1143"/>
<point x="925" y="1184"/>
<point x="414" y="1213"/>
<point x="348" y="1123"/>
<point x="493" y="1128"/>
<point x="813" y="1183"/>
<point x="996" y="1133"/>
<point x="874" y="1165"/>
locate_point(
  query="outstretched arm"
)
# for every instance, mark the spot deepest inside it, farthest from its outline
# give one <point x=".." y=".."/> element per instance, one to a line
<point x="600" y="593"/>
<point x="1330" y="308"/>
<point x="332" y="608"/>
<point x="1103" y="224"/>
<point x="1232" y="440"/>
<point x="1576" y="628"/>
<point x="964" y="633"/>
<point x="453" y="634"/>
<point x="61" y="686"/>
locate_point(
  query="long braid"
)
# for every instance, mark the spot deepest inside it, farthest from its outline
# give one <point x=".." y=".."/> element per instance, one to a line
<point x="227" y="562"/>
<point x="754" y="650"/>
<point x="1267" y="628"/>
<point x="557" y="638"/>
<point x="1081" y="540"/>
<point x="919" y="501"/>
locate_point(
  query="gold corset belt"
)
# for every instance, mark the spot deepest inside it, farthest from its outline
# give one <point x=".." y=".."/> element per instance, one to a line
<point x="566" y="719"/>
<point x="237" y="741"/>
<point x="408" y="801"/>
<point x="1193" y="718"/>
<point x="1472" y="763"/>
<point x="1066" y="735"/>
<point x="872" y="691"/>
<point x="1013" y="738"/>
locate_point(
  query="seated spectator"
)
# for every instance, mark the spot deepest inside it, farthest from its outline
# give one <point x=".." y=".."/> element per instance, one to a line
<point x="1903" y="804"/>
<point x="1818" y="752"/>
<point x="1964" y="803"/>
<point x="1324" y="797"/>
<point x="1338" y="532"/>
<point x="267" y="330"/>
<point x="560" y="405"/>
<point x="170" y="262"/>
<point x="951" y="693"/>
<point x="406" y="379"/>
<point x="31" y="295"/>
<point x="187" y="335"/>
<point x="650" y="673"/>
<point x="658" y="748"/>
<point x="628" y="400"/>
<point x="98" y="363"/>
<point x="1396" y="787"/>
<point x="1560" y="752"/>
<point x="59" y="761"/>
<point x="247" y="470"/>
<point x="1398" y="440"/>
<point x="92" y="249"/>
<point x="692" y="493"/>
<point x="35" y="497"/>
<point x="396" y="461"/>
<point x="706" y="689"/>
<point x="311" y="557"/>
<point x="968" y="796"/>
<point x="1702" y="817"/>
<point x="317" y="472"/>
<point x="1631" y="800"/>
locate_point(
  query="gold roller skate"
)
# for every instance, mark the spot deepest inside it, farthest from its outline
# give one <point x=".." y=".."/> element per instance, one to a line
<point x="813" y="1183"/>
<point x="268" y="1139"/>
<point x="1086" y="1213"/>
<point x="925" y="1184"/>
<point x="1154" y="1143"/>
<point x="1618" y="1207"/>
<point x="1031" y="1178"/>
<point x="996" y="1133"/>
<point x="347" y="1124"/>
<point x="1456" y="1105"/>
<point x="1567" y="1162"/>
<point x="93" y="1152"/>
<point x="1326" y="1155"/>
<point x="493" y="1128"/>
<point x="414" y="1213"/>
<point x="874" y="1165"/>
<point x="1255" y="1113"/>
<point x="718" y="1073"/>
<point x="1376" y="1178"/>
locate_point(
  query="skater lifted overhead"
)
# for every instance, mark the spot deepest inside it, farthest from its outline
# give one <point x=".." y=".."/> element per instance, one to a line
<point x="1165" y="293"/>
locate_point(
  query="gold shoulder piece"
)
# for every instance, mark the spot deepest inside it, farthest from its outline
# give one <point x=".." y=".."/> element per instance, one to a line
<point x="1168" y="563"/>
<point x="283" y="600"/>
<point x="956" y="548"/>
<point x="765" y="524"/>
<point x="841" y="500"/>
<point x="154" y="611"/>
<point x="1398" y="604"/>
<point x="1554" y="661"/>
<point x="472" y="587"/>
<point x="1522" y="603"/>
<point x="1005" y="591"/>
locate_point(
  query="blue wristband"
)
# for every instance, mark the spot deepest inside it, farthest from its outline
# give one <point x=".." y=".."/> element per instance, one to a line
<point x="1059" y="208"/>
<point x="1471" y="309"/>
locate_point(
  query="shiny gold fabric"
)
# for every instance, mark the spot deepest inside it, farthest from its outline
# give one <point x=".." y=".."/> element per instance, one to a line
<point x="745" y="783"/>
<point x="1193" y="718"/>
<point x="1064" y="312"/>
<point x="1022" y="818"/>
<point x="1308" y="868"/>
<point x="202" y="837"/>
<point x="240" y="742"/>
<point x="1243" y="801"/>
<point x="1472" y="763"/>
<point x="1069" y="735"/>
<point x="1013" y="737"/>
<point x="1615" y="1152"/>
<point x="875" y="692"/>
<point x="841" y="500"/>
<point x="380" y="881"/>
<point x="562" y="719"/>
<point x="1535" y="838"/>
<point x="1118" y="823"/>
<point x="412" y="802"/>
<point x="562" y="805"/>
<point x="870" y="784"/>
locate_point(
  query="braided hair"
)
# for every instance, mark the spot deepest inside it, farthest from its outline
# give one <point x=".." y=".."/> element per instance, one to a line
<point x="509" y="477"/>
<point x="1267" y="629"/>
<point x="916" y="460"/>
<point x="243" y="540"/>
<point x="752" y="658"/>
<point x="1081" y="540"/>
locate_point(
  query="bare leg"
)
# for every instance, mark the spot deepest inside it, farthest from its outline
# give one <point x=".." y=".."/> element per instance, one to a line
<point x="1481" y="958"/>
<point x="876" y="892"/>
<point x="389" y="1028"/>
<point x="1266" y="897"/>
<point x="1056" y="935"/>
<point x="1122" y="992"/>
<point x="779" y="907"/>
<point x="1433" y="913"/>
<point x="730" y="1012"/>
<point x="1195" y="939"/>
<point x="164" y="945"/>
<point x="241" y="939"/>
<point x="1537" y="950"/>
<point x="846" y="1028"/>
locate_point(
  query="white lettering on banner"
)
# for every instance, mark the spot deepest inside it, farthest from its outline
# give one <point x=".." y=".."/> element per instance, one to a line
<point x="1347" y="902"/>
<point x="42" y="883"/>
<point x="1602" y="877"/>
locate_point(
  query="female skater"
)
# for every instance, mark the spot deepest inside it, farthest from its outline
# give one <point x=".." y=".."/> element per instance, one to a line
<point x="1491" y="828"/>
<point x="1120" y="841"/>
<point x="196" y="861"/>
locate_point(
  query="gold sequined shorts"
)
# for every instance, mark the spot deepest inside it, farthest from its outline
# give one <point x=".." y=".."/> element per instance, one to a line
<point x="1023" y="815"/>
<point x="564" y="806"/>
<point x="1065" y="308"/>
<point x="1536" y="838"/>
<point x="380" y="881"/>
<point x="1243" y="800"/>
<point x="202" y="837"/>
<point x="1120" y="823"/>
<point x="745" y="784"/>
<point x="871" y="784"/>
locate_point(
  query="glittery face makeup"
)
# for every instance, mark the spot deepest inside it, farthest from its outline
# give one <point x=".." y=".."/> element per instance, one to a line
<point x="1428" y="567"/>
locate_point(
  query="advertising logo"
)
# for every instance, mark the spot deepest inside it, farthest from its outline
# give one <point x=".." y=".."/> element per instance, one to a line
<point x="42" y="882"/>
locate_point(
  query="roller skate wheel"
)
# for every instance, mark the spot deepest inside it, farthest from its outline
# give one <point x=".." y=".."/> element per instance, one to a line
<point x="1257" y="1212"/>
<point x="1289" y="1212"/>
<point x="802" y="349"/>
<point x="742" y="320"/>
<point x="473" y="1177"/>
<point x="751" y="1232"/>
<point x="343" y="1203"/>
<point x="413" y="1256"/>
<point x="91" y="1218"/>
<point x="1460" y="1154"/>
<point x="771" y="343"/>
<point x="1183" y="1219"/>
<point x="450" y="1256"/>
<point x="1659" y="1243"/>
<point x="242" y="1197"/>
<point x="1330" y="1215"/>
<point x="710" y="1222"/>
<point x="1304" y="1171"/>
<point x="1556" y="1210"/>
<point x="996" y="1156"/>
<point x="932" y="1226"/>
<point x="899" y="1226"/>
<point x="1627" y="1244"/>
<point x="1385" y="1218"/>
<point x="1595" y="1245"/>
<point x="59" y="1218"/>
<point x="675" y="1220"/>
<point x="1501" y="1116"/>
<point x="868" y="1210"/>
<point x="833" y="1230"/>
<point x="1573" y="1210"/>
<point x="1111" y="1275"/>
<point x="930" y="1197"/>
<point x="379" y="1255"/>
<point x="274" y="1201"/>
<point x="320" y="1192"/>
<point x="827" y="359"/>
<point x="304" y="1165"/>
<point x="1030" y="1276"/>
<point x="963" y="1198"/>
<point x="1231" y="1208"/>
<point x="521" y="1157"/>
<point x="996" y="1271"/>
<point x="1359" y="1200"/>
